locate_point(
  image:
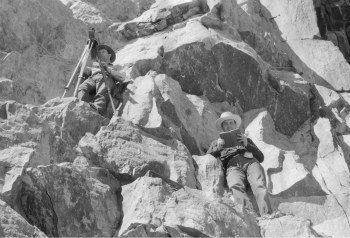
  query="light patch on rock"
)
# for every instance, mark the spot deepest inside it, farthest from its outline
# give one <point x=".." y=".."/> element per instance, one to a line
<point x="281" y="164"/>
<point x="331" y="171"/>
<point x="122" y="147"/>
<point x="155" y="204"/>
<point x="13" y="162"/>
<point x="287" y="226"/>
<point x="210" y="174"/>
<point x="346" y="96"/>
<point x="297" y="22"/>
<point x="142" y="109"/>
<point x="329" y="214"/>
<point x="329" y="96"/>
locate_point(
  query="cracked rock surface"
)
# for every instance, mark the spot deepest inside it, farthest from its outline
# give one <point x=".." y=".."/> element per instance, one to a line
<point x="67" y="171"/>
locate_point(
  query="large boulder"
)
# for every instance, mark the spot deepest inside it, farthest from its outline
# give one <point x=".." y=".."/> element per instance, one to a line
<point x="158" y="105"/>
<point x="285" y="165"/>
<point x="188" y="60"/>
<point x="331" y="169"/>
<point x="255" y="27"/>
<point x="287" y="226"/>
<point x="312" y="162"/>
<point x="298" y="25"/>
<point x="52" y="129"/>
<point x="329" y="214"/>
<point x="13" y="162"/>
<point x="152" y="208"/>
<point x="101" y="12"/>
<point x="210" y="174"/>
<point x="32" y="136"/>
<point x="162" y="13"/>
<point x="13" y="224"/>
<point x="128" y="152"/>
<point x="69" y="200"/>
<point x="218" y="74"/>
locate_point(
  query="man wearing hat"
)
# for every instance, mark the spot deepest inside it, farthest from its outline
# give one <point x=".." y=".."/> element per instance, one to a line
<point x="242" y="164"/>
<point x="94" y="90"/>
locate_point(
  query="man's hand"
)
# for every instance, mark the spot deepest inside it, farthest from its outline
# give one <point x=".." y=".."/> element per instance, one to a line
<point x="109" y="82"/>
<point x="243" y="139"/>
<point x="220" y="143"/>
<point x="105" y="66"/>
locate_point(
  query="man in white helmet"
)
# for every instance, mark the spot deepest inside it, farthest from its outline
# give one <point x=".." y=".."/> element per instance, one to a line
<point x="242" y="164"/>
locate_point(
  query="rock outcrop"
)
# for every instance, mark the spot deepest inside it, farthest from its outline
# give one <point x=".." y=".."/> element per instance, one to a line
<point x="40" y="135"/>
<point x="38" y="53"/>
<point x="123" y="149"/>
<point x="13" y="224"/>
<point x="69" y="200"/>
<point x="328" y="214"/>
<point x="281" y="65"/>
<point x="185" y="212"/>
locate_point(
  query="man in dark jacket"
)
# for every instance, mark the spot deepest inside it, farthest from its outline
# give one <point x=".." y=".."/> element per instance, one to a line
<point x="242" y="164"/>
<point x="94" y="89"/>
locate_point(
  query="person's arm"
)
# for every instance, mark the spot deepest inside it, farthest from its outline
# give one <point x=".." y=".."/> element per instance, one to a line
<point x="214" y="150"/>
<point x="115" y="74"/>
<point x="251" y="147"/>
<point x="112" y="73"/>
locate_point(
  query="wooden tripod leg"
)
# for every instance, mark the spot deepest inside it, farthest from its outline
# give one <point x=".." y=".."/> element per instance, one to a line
<point x="75" y="71"/>
<point x="82" y="70"/>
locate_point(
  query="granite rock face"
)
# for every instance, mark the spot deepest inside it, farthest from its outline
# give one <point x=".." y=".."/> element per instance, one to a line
<point x="297" y="22"/>
<point x="287" y="226"/>
<point x="218" y="73"/>
<point x="69" y="200"/>
<point x="331" y="17"/>
<point x="186" y="212"/>
<point x="13" y="224"/>
<point x="302" y="164"/>
<point x="210" y="174"/>
<point x="40" y="135"/>
<point x="156" y="103"/>
<point x="328" y="214"/>
<point x="124" y="149"/>
<point x="98" y="12"/>
<point x="38" y="53"/>
<point x="66" y="171"/>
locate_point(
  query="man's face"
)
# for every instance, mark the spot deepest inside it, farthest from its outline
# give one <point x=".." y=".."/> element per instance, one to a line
<point x="228" y="125"/>
<point x="104" y="55"/>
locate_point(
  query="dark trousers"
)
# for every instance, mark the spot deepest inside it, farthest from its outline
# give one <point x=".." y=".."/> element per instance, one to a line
<point x="94" y="90"/>
<point x="240" y="171"/>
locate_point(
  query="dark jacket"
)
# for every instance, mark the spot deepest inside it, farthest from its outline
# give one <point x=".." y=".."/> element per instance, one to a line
<point x="226" y="154"/>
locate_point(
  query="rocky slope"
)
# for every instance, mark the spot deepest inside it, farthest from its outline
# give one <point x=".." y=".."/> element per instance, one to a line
<point x="67" y="171"/>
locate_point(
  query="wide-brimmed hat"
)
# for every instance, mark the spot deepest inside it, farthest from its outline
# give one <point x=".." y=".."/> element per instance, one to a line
<point x="109" y="50"/>
<point x="227" y="116"/>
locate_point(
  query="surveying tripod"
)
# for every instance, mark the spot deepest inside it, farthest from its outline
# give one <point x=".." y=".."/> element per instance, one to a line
<point x="91" y="46"/>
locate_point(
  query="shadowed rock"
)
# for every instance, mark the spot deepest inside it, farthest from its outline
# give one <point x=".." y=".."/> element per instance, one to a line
<point x="12" y="224"/>
<point x="67" y="200"/>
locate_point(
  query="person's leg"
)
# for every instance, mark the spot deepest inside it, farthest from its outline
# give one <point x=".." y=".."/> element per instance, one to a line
<point x="85" y="89"/>
<point x="236" y="182"/>
<point x="257" y="181"/>
<point x="100" y="99"/>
